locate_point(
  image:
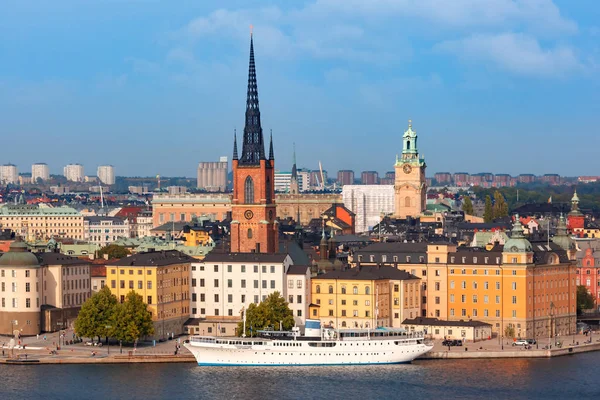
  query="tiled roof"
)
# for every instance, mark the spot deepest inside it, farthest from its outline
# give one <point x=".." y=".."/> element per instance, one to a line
<point x="155" y="259"/>
<point x="298" y="269"/>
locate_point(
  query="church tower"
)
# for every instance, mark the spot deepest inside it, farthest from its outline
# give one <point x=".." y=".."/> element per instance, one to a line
<point x="253" y="210"/>
<point x="410" y="187"/>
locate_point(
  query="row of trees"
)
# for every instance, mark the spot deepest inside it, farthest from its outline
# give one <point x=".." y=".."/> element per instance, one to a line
<point x="497" y="209"/>
<point x="103" y="316"/>
<point x="267" y="314"/>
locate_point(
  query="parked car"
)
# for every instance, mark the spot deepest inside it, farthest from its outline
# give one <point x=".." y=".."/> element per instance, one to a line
<point x="520" y="342"/>
<point x="531" y="341"/>
<point x="449" y="342"/>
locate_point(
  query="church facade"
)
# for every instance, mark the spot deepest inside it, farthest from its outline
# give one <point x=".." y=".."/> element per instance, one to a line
<point x="410" y="186"/>
<point x="254" y="227"/>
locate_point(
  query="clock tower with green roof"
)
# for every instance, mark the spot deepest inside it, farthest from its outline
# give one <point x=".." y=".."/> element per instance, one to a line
<point x="410" y="187"/>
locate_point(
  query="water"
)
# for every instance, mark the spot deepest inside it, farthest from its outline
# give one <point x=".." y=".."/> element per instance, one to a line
<point x="573" y="377"/>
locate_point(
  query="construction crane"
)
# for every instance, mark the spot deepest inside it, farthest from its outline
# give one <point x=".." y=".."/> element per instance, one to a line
<point x="322" y="176"/>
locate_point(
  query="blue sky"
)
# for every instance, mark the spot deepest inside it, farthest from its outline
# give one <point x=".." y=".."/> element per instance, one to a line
<point x="153" y="87"/>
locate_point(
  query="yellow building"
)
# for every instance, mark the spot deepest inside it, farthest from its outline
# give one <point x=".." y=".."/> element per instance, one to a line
<point x="162" y="278"/>
<point x="196" y="236"/>
<point x="365" y="297"/>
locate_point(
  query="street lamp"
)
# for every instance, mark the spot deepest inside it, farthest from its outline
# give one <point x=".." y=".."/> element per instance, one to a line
<point x="107" y="338"/>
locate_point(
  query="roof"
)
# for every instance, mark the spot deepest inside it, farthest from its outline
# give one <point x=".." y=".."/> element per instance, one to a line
<point x="97" y="219"/>
<point x="18" y="256"/>
<point x="98" y="271"/>
<point x="298" y="269"/>
<point x="368" y="273"/>
<point x="245" y="257"/>
<point x="437" y="322"/>
<point x="59" y="259"/>
<point x="395" y="247"/>
<point x="171" y="227"/>
<point x="155" y="259"/>
<point x="26" y="209"/>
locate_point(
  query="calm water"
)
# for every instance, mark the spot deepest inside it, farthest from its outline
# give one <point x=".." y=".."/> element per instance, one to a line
<point x="573" y="377"/>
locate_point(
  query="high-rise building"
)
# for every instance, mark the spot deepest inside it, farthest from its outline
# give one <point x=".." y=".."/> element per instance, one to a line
<point x="369" y="177"/>
<point x="74" y="172"/>
<point x="253" y="209"/>
<point x="410" y="186"/>
<point x="345" y="177"/>
<point x="212" y="176"/>
<point x="442" y="178"/>
<point x="8" y="174"/>
<point x="41" y="171"/>
<point x="106" y="174"/>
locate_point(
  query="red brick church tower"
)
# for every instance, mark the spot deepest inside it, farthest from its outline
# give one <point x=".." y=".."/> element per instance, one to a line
<point x="253" y="209"/>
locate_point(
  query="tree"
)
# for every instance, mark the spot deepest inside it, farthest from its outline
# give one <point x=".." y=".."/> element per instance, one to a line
<point x="96" y="314"/>
<point x="467" y="205"/>
<point x="131" y="319"/>
<point x="488" y="213"/>
<point x="500" y="208"/>
<point x="509" y="331"/>
<point x="113" y="251"/>
<point x="585" y="301"/>
<point x="269" y="313"/>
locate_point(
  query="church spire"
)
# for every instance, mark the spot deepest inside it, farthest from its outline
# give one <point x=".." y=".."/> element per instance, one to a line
<point x="271" y="154"/>
<point x="294" y="168"/>
<point x="253" y="147"/>
<point x="235" y="153"/>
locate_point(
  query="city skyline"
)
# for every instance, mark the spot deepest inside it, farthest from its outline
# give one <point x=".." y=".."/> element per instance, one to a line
<point x="166" y="87"/>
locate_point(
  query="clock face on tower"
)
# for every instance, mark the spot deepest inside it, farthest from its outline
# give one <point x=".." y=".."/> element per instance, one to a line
<point x="407" y="168"/>
<point x="248" y="214"/>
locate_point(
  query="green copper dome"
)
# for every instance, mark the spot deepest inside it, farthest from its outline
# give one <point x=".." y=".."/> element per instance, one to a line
<point x="517" y="242"/>
<point x="18" y="256"/>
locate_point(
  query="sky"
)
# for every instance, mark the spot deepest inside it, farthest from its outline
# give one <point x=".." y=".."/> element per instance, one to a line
<point x="154" y="87"/>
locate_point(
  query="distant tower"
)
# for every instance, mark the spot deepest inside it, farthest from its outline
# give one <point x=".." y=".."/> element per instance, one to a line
<point x="575" y="218"/>
<point x="410" y="188"/>
<point x="253" y="210"/>
<point x="294" y="180"/>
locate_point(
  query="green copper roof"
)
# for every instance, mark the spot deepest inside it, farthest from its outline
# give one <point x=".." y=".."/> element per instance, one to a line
<point x="19" y="256"/>
<point x="517" y="242"/>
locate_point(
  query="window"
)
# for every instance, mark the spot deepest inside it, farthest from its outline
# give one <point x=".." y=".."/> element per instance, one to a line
<point x="514" y="286"/>
<point x="290" y="283"/>
<point x="514" y="313"/>
<point x="396" y="288"/>
<point x="216" y="283"/>
<point x="243" y="268"/>
<point x="486" y="299"/>
<point x="216" y="299"/>
<point x="474" y="285"/>
<point x="140" y="284"/>
<point x="437" y="286"/>
<point x="256" y="284"/>
<point x="299" y="299"/>
<point x="367" y="290"/>
<point x="367" y="303"/>
<point x="514" y="271"/>
<point x="299" y="284"/>
<point x="272" y="284"/>
<point x="318" y="289"/>
<point x="486" y="285"/>
<point x="149" y="285"/>
<point x="452" y="312"/>
<point x="249" y="191"/>
<point x="229" y="283"/>
<point x="451" y="298"/>
<point x="230" y="298"/>
<point x="122" y="284"/>
<point x="514" y="299"/>
<point x="474" y="312"/>
<point x="28" y="303"/>
<point x="463" y="284"/>
<point x="243" y="284"/>
<point x="474" y="298"/>
<point x="497" y="299"/>
<point x="194" y="297"/>
<point x="27" y="274"/>
<point x="463" y="313"/>
<point x="130" y="284"/>
<point x="437" y="300"/>
<point x="497" y="285"/>
<point x="194" y="282"/>
<point x="113" y="284"/>
<point x="149" y="300"/>
<point x="355" y="313"/>
<point x="451" y="284"/>
<point x="355" y="290"/>
<point x="264" y="269"/>
<point x="272" y="269"/>
<point x="216" y="267"/>
<point x="330" y="289"/>
<point x="202" y="297"/>
<point x="202" y="282"/>
<point x="463" y="298"/>
<point x="291" y="298"/>
<point x="264" y="284"/>
<point x="27" y="286"/>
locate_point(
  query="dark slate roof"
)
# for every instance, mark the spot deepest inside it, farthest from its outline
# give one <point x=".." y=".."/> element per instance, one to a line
<point x="395" y="247"/>
<point x="437" y="322"/>
<point x="298" y="255"/>
<point x="155" y="259"/>
<point x="298" y="269"/>
<point x="98" y="219"/>
<point x="368" y="273"/>
<point x="245" y="257"/>
<point x="471" y="226"/>
<point x="456" y="258"/>
<point x="60" y="259"/>
<point x="542" y="252"/>
<point x="176" y="226"/>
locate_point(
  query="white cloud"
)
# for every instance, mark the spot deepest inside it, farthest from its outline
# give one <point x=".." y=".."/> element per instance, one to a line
<point x="517" y="53"/>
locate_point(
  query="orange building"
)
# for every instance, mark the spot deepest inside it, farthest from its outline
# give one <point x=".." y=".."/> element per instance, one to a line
<point x="253" y="211"/>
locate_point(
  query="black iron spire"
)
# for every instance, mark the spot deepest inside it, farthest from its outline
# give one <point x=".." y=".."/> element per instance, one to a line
<point x="253" y="148"/>
<point x="294" y="168"/>
<point x="235" y="153"/>
<point x="271" y="154"/>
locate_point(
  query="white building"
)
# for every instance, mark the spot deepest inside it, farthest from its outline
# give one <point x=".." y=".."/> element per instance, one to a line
<point x="368" y="202"/>
<point x="41" y="171"/>
<point x="144" y="224"/>
<point x="74" y="172"/>
<point x="212" y="176"/>
<point x="105" y="230"/>
<point x="298" y="292"/>
<point x="283" y="179"/>
<point x="106" y="174"/>
<point x="224" y="284"/>
<point x="8" y="174"/>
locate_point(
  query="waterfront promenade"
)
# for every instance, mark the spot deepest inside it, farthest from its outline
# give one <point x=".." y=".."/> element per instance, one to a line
<point x="40" y="351"/>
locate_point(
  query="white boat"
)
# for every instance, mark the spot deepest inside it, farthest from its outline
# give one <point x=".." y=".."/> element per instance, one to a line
<point x="341" y="347"/>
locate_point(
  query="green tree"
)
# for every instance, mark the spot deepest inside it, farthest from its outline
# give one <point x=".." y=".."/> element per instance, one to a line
<point x="113" y="251"/>
<point x="269" y="313"/>
<point x="488" y="213"/>
<point x="500" y="208"/>
<point x="467" y="205"/>
<point x="585" y="300"/>
<point x="132" y="320"/>
<point x="96" y="314"/>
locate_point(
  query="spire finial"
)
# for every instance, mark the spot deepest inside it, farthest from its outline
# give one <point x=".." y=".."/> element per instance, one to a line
<point x="251" y="29"/>
<point x="410" y="123"/>
<point x="235" y="152"/>
<point x="271" y="153"/>
<point x="294" y="146"/>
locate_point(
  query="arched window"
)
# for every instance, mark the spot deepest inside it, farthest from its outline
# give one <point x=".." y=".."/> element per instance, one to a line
<point x="366" y="324"/>
<point x="355" y="290"/>
<point x="268" y="189"/>
<point x="249" y="191"/>
<point x="330" y="289"/>
<point x="318" y="288"/>
<point x="249" y="233"/>
<point x="343" y="289"/>
<point x="407" y="201"/>
<point x="367" y="290"/>
<point x="343" y="324"/>
<point x="408" y="145"/>
<point x="587" y="272"/>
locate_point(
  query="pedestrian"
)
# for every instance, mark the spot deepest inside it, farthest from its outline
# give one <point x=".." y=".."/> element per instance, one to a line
<point x="45" y="337"/>
<point x="37" y="337"/>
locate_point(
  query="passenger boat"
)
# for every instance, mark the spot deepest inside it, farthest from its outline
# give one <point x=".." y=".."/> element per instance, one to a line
<point x="317" y="347"/>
